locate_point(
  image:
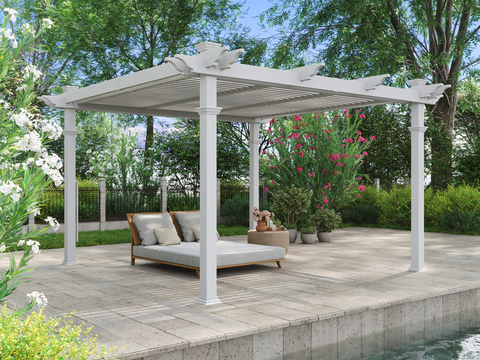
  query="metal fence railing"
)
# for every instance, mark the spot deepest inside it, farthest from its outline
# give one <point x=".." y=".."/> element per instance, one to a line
<point x="182" y="199"/>
<point x="119" y="202"/>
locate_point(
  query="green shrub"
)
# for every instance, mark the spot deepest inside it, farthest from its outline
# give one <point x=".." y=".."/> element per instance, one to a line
<point x="309" y="230"/>
<point x="34" y="337"/>
<point x="466" y="198"/>
<point x="289" y="204"/>
<point x="182" y="203"/>
<point x="290" y="226"/>
<point x="363" y="214"/>
<point x="395" y="206"/>
<point x="236" y="210"/>
<point x="462" y="221"/>
<point x="325" y="220"/>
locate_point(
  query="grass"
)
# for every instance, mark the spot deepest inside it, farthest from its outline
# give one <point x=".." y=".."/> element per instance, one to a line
<point x="109" y="237"/>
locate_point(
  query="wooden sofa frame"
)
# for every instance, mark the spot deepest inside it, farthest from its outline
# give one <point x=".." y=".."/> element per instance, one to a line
<point x="136" y="241"/>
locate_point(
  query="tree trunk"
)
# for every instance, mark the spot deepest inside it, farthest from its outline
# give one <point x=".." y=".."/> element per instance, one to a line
<point x="442" y="141"/>
<point x="148" y="145"/>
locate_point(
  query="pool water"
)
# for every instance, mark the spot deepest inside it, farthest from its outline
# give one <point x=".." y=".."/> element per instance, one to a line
<point x="464" y="345"/>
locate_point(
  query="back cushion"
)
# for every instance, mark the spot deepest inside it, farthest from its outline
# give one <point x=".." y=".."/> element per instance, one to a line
<point x="186" y="222"/>
<point x="146" y="223"/>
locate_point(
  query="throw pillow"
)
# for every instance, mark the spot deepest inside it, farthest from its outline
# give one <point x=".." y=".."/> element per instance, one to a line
<point x="196" y="232"/>
<point x="186" y="221"/>
<point x="167" y="236"/>
<point x="145" y="223"/>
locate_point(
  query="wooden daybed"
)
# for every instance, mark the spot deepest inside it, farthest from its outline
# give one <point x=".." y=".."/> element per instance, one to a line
<point x="187" y="254"/>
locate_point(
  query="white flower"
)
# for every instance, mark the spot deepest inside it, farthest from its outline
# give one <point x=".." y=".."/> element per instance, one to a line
<point x="32" y="70"/>
<point x="7" y="188"/>
<point x="22" y="87"/>
<point x="53" y="223"/>
<point x="23" y="118"/>
<point x="14" y="44"/>
<point x="15" y="196"/>
<point x="39" y="298"/>
<point x="34" y="211"/>
<point x="2" y="247"/>
<point x="26" y="28"/>
<point x="21" y="243"/>
<point x="8" y="34"/>
<point x="36" y="249"/>
<point x="48" y="23"/>
<point x="12" y="13"/>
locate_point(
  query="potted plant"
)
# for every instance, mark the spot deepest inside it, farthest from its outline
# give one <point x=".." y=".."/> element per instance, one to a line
<point x="292" y="230"/>
<point x="278" y="224"/>
<point x="325" y="221"/>
<point x="289" y="204"/>
<point x="309" y="235"/>
<point x="259" y="217"/>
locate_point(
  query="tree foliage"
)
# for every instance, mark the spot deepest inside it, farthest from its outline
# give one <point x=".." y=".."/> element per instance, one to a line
<point x="432" y="40"/>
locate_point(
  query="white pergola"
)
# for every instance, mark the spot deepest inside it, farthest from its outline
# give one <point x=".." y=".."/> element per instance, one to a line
<point x="212" y="87"/>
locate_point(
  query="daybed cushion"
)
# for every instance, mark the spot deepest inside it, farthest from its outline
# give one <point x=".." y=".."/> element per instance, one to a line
<point x="228" y="253"/>
<point x="146" y="223"/>
<point x="167" y="236"/>
<point x="186" y="222"/>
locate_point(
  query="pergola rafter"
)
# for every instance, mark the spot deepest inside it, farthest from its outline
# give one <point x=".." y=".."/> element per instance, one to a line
<point x="212" y="87"/>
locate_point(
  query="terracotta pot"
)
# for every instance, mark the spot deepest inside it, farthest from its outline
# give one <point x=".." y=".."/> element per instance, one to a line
<point x="261" y="226"/>
<point x="324" y="236"/>
<point x="308" y="238"/>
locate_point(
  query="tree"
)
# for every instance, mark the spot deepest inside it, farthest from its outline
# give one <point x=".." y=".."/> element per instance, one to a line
<point x="389" y="157"/>
<point x="180" y="147"/>
<point x="405" y="38"/>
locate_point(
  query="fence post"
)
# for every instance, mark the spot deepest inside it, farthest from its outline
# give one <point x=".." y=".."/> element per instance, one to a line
<point x="103" y="205"/>
<point x="31" y="222"/>
<point x="163" y="185"/>
<point x="218" y="199"/>
<point x="377" y="184"/>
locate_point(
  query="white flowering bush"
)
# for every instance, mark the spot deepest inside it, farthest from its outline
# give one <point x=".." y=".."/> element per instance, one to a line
<point x="26" y="167"/>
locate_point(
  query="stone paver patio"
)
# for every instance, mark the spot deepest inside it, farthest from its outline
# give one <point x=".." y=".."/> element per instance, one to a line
<point x="151" y="308"/>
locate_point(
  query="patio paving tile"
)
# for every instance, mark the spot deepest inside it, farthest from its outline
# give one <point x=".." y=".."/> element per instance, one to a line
<point x="151" y="308"/>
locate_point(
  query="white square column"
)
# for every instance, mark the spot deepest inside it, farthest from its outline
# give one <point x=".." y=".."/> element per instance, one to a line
<point x="417" y="185"/>
<point x="208" y="111"/>
<point x="70" y="195"/>
<point x="254" y="172"/>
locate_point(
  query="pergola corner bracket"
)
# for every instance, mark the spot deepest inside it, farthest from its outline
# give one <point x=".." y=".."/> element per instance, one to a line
<point x="309" y="71"/>
<point x="433" y="91"/>
<point x="213" y="56"/>
<point x="372" y="82"/>
<point x="182" y="63"/>
<point x="230" y="58"/>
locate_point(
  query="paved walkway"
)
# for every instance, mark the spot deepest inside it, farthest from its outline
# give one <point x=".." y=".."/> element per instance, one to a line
<point x="151" y="308"/>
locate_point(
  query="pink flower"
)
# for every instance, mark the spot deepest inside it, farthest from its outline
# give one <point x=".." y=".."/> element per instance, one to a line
<point x="310" y="174"/>
<point x="296" y="127"/>
<point x="336" y="173"/>
<point x="361" y="116"/>
<point x="273" y="181"/>
<point x="301" y="153"/>
<point x="359" y="178"/>
<point x="325" y="201"/>
<point x="271" y="167"/>
<point x="358" y="131"/>
<point x="271" y="121"/>
<point x="350" y="115"/>
<point x="365" y="153"/>
<point x="312" y="148"/>
<point x="299" y="168"/>
<point x="358" y="110"/>
<point x="343" y="145"/>
<point x="358" y="195"/>
<point x="361" y="188"/>
<point x="264" y="151"/>
<point x="361" y="139"/>
<point x="373" y="137"/>
<point x="298" y="146"/>
<point x="349" y="140"/>
<point x="358" y="156"/>
<point x="266" y="189"/>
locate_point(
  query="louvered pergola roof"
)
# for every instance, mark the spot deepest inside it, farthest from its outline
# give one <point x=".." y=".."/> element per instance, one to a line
<point x="244" y="93"/>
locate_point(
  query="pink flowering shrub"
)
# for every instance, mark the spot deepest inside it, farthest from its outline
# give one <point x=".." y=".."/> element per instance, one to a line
<point x="320" y="153"/>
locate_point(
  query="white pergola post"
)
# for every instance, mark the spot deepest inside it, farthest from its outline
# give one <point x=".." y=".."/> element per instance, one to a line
<point x="208" y="112"/>
<point x="70" y="198"/>
<point x="417" y="182"/>
<point x="254" y="172"/>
